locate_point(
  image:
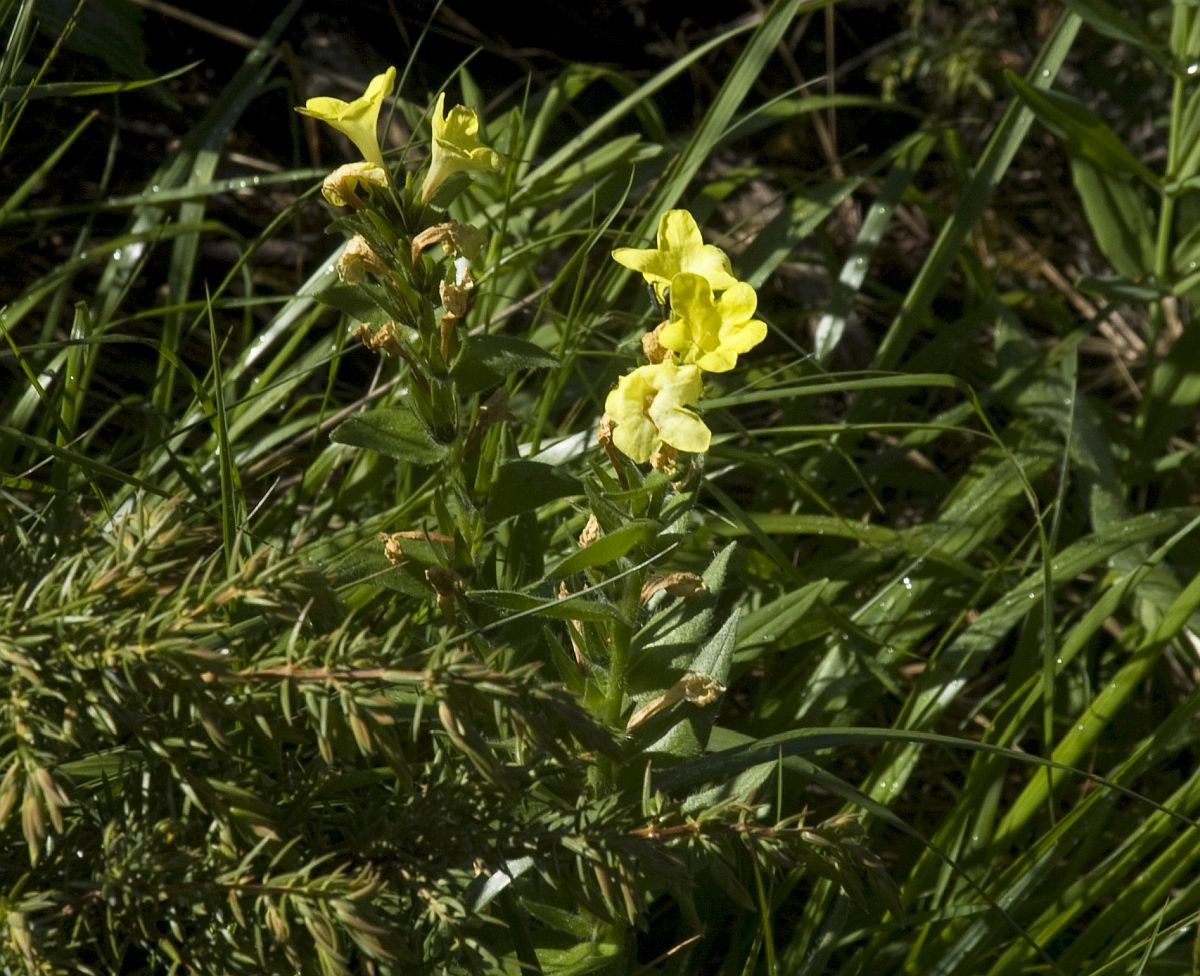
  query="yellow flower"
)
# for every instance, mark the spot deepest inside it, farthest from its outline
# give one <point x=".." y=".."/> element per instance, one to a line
<point x="711" y="332"/>
<point x="680" y="248"/>
<point x="455" y="147"/>
<point x="357" y="120"/>
<point x="647" y="408"/>
<point x="340" y="185"/>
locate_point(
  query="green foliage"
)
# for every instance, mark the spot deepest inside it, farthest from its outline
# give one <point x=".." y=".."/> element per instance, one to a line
<point x="323" y="659"/>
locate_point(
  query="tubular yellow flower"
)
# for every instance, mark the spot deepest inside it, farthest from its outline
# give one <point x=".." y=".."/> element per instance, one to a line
<point x="340" y="185"/>
<point x="455" y="147"/>
<point x="711" y="332"/>
<point x="357" y="120"/>
<point x="647" y="408"/>
<point x="680" y="248"/>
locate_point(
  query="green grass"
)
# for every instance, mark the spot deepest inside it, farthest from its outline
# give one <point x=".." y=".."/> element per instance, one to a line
<point x="952" y="580"/>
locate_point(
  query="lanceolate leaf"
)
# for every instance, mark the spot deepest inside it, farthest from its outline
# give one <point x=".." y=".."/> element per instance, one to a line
<point x="522" y="486"/>
<point x="1086" y="135"/>
<point x="1119" y="217"/>
<point x="610" y="546"/>
<point x="394" y="431"/>
<point x="689" y="736"/>
<point x="1110" y="21"/>
<point x="490" y="359"/>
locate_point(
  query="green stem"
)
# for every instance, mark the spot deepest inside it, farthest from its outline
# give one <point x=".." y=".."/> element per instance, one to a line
<point x="1162" y="254"/>
<point x="620" y="638"/>
<point x="618" y="662"/>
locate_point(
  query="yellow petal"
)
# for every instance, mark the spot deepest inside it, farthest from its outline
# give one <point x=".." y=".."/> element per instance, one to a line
<point x="681" y="248"/>
<point x="744" y="336"/>
<point x="455" y="146"/>
<point x="684" y="431"/>
<point x="357" y="120"/>
<point x="648" y="408"/>
<point x="711" y="333"/>
<point x="738" y="303"/>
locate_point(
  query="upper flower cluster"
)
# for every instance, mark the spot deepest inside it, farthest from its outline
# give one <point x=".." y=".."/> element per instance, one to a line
<point x="705" y="330"/>
<point x="455" y="145"/>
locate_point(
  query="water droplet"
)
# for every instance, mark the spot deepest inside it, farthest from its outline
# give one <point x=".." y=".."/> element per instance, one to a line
<point x="881" y="210"/>
<point x="1045" y="72"/>
<point x="242" y="184"/>
<point x="1058" y="661"/>
<point x="860" y="262"/>
<point x="1191" y="266"/>
<point x="117" y="254"/>
<point x="907" y="583"/>
<point x="154" y="188"/>
<point x="1033" y="596"/>
<point x="1193" y="68"/>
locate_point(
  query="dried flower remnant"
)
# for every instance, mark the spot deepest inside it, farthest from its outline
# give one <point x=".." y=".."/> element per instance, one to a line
<point x="341" y="186"/>
<point x="698" y="689"/>
<point x="356" y="260"/>
<point x="464" y="240"/>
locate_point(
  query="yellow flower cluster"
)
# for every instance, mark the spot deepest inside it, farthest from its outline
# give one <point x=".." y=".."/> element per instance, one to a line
<point x="705" y="331"/>
<point x="455" y="145"/>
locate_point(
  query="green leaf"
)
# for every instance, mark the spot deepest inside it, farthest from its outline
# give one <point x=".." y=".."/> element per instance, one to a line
<point x="1086" y="135"/>
<point x="75" y="89"/>
<point x="664" y="646"/>
<point x="1185" y="263"/>
<point x="741" y="787"/>
<point x="586" y="957"/>
<point x="770" y="623"/>
<point x="689" y="736"/>
<point x="394" y="431"/>
<point x="110" y="30"/>
<point x="1117" y="289"/>
<point x="370" y="566"/>
<point x="1174" y="389"/>
<point x="829" y="330"/>
<point x="489" y="359"/>
<point x="522" y="486"/>
<point x="1106" y="19"/>
<point x="565" y="608"/>
<point x="1119" y="217"/>
<point x="974" y="197"/>
<point x="610" y="546"/>
<point x="354" y="302"/>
